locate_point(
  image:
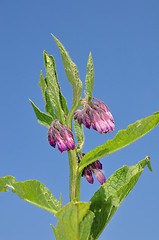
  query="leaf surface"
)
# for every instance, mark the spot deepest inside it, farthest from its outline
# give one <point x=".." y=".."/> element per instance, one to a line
<point x="32" y="191"/>
<point x="108" y="198"/>
<point x="53" y="86"/>
<point x="89" y="82"/>
<point x="48" y="106"/>
<point x="72" y="76"/>
<point x="122" y="139"/>
<point x="42" y="118"/>
<point x="70" y="224"/>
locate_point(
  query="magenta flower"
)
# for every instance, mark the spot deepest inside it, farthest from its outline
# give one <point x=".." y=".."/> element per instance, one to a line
<point x="100" y="176"/>
<point x="94" y="168"/>
<point x="95" y="114"/>
<point x="88" y="175"/>
<point x="61" y="135"/>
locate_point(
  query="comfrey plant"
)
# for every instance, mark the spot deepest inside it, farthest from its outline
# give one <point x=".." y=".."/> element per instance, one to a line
<point x="81" y="220"/>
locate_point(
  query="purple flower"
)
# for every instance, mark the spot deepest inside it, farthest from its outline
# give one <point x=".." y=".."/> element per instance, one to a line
<point x="61" y="135"/>
<point x="94" y="168"/>
<point x="100" y="176"/>
<point x="95" y="114"/>
<point x="88" y="175"/>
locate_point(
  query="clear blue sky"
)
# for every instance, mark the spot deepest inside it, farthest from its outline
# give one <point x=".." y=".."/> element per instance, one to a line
<point x="123" y="37"/>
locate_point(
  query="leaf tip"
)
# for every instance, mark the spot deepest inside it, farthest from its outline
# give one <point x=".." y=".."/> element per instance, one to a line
<point x="148" y="163"/>
<point x="54" y="37"/>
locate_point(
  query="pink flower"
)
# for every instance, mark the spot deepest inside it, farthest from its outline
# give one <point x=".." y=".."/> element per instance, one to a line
<point x="95" y="114"/>
<point x="100" y="176"/>
<point x="94" y="168"/>
<point x="61" y="135"/>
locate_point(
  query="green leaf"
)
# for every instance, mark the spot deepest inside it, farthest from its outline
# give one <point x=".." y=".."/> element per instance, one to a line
<point x="70" y="219"/>
<point x="108" y="198"/>
<point x="122" y="139"/>
<point x="48" y="106"/>
<point x="72" y="76"/>
<point x="43" y="118"/>
<point x="80" y="135"/>
<point x="32" y="191"/>
<point x="85" y="226"/>
<point x="63" y="103"/>
<point x="5" y="182"/>
<point x="89" y="82"/>
<point x="53" y="86"/>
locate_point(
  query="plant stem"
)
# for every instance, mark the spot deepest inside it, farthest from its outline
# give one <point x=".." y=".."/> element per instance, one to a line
<point x="75" y="178"/>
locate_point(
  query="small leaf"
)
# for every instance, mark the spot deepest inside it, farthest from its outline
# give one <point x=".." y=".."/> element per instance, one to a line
<point x="89" y="82"/>
<point x="43" y="118"/>
<point x="80" y="135"/>
<point x="122" y="139"/>
<point x="53" y="86"/>
<point x="54" y="230"/>
<point x="70" y="219"/>
<point x="48" y="106"/>
<point x="32" y="191"/>
<point x="63" y="103"/>
<point x="72" y="76"/>
<point x="108" y="198"/>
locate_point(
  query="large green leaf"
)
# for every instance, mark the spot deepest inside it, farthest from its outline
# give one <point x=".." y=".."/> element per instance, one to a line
<point x="32" y="191"/>
<point x="48" y="106"/>
<point x="72" y="76"/>
<point x="80" y="135"/>
<point x="108" y="198"/>
<point x="89" y="82"/>
<point x="53" y="86"/>
<point x="122" y="139"/>
<point x="43" y="118"/>
<point x="70" y="225"/>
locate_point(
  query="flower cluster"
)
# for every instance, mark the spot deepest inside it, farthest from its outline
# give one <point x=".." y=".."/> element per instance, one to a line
<point x="95" y="114"/>
<point x="61" y="135"/>
<point x="94" y="167"/>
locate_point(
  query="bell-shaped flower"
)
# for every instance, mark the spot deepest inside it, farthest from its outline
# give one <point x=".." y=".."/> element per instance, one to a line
<point x="87" y="173"/>
<point x="61" y="135"/>
<point x="95" y="114"/>
<point x="94" y="168"/>
<point x="99" y="175"/>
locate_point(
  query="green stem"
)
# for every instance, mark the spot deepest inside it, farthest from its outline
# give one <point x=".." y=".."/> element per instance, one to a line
<point x="75" y="178"/>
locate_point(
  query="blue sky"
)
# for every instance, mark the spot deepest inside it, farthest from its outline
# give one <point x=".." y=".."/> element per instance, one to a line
<point x="123" y="37"/>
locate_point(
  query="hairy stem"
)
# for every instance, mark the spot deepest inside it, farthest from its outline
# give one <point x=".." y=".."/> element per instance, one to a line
<point x="74" y="176"/>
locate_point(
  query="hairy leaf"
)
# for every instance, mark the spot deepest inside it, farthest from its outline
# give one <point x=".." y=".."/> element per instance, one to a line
<point x="32" y="191"/>
<point x="122" y="139"/>
<point x="48" y="106"/>
<point x="53" y="86"/>
<point x="72" y="76"/>
<point x="43" y="118"/>
<point x="108" y="198"/>
<point x="89" y="82"/>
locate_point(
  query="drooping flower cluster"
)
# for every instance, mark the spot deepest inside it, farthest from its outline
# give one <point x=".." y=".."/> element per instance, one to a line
<point x="95" y="114"/>
<point x="95" y="168"/>
<point x="61" y="135"/>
